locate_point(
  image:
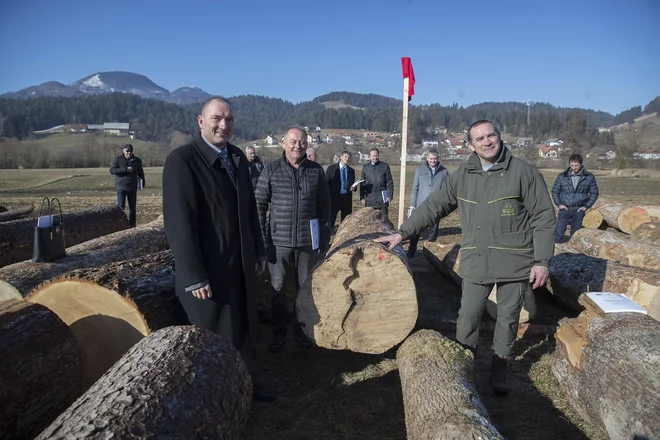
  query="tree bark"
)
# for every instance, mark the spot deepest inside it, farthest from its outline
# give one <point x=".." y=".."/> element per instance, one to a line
<point x="604" y="213"/>
<point x="40" y="368"/>
<point x="362" y="296"/>
<point x="111" y="308"/>
<point x="604" y="244"/>
<point x="439" y="396"/>
<point x="608" y="366"/>
<point x="21" y="278"/>
<point x="634" y="216"/>
<point x="17" y="237"/>
<point x="647" y="232"/>
<point x="181" y="382"/>
<point x="447" y="257"/>
<point x="13" y="214"/>
<point x="571" y="275"/>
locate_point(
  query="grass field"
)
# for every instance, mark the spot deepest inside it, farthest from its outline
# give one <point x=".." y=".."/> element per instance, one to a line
<point x="315" y="399"/>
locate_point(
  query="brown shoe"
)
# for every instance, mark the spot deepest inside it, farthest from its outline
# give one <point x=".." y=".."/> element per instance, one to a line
<point x="498" y="375"/>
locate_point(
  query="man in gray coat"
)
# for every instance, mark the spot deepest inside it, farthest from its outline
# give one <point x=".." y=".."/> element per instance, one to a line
<point x="428" y="178"/>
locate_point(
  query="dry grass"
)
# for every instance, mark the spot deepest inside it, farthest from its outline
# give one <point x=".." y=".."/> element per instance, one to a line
<point x="324" y="394"/>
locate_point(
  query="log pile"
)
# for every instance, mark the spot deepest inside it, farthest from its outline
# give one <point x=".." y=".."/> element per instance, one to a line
<point x="605" y="213"/>
<point x="362" y="296"/>
<point x="608" y="366"/>
<point x="181" y="382"/>
<point x="447" y="257"/>
<point x="18" y="279"/>
<point x="439" y="396"/>
<point x="13" y="214"/>
<point x="112" y="307"/>
<point x="40" y="368"/>
<point x="17" y="237"/>
<point x="605" y="244"/>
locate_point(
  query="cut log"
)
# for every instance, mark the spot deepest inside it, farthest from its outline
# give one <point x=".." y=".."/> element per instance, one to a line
<point x="17" y="237"/>
<point x="439" y="396"/>
<point x="181" y="382"/>
<point x="447" y="257"/>
<point x="362" y="296"/>
<point x="604" y="244"/>
<point x="40" y="369"/>
<point x="22" y="277"/>
<point x="13" y="214"/>
<point x="608" y="367"/>
<point x="604" y="213"/>
<point x="112" y="307"/>
<point x="574" y="274"/>
<point x="632" y="217"/>
<point x="647" y="232"/>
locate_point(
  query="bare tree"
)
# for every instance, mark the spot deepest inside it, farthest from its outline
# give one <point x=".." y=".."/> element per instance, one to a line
<point x="624" y="150"/>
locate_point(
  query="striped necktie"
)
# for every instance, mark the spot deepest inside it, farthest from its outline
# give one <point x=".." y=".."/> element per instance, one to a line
<point x="228" y="165"/>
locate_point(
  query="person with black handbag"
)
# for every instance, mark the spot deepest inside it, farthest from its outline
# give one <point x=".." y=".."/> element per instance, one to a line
<point x="129" y="177"/>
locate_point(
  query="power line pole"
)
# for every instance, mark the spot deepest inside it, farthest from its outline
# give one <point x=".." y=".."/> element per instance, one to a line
<point x="529" y="111"/>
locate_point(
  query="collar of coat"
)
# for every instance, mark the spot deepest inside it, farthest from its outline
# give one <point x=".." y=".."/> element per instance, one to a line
<point x="502" y="162"/>
<point x="210" y="156"/>
<point x="583" y="172"/>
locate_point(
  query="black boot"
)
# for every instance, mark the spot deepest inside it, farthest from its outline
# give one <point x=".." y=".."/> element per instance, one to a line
<point x="498" y="375"/>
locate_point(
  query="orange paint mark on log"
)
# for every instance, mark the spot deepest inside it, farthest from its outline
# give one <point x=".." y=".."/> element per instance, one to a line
<point x="381" y="255"/>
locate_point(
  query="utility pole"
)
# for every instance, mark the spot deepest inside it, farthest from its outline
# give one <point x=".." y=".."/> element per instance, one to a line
<point x="529" y="111"/>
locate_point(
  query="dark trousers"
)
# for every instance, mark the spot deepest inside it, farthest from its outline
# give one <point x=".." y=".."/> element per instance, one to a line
<point x="132" y="202"/>
<point x="414" y="239"/>
<point x="279" y="259"/>
<point x="510" y="297"/>
<point x="572" y="216"/>
<point x="343" y="203"/>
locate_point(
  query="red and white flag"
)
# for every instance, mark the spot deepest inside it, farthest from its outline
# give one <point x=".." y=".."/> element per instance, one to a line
<point x="408" y="73"/>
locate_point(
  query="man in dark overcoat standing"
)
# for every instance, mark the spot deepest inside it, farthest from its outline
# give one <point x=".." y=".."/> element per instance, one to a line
<point x="213" y="228"/>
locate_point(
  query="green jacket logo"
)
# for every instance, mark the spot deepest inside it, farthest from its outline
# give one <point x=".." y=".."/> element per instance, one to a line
<point x="508" y="209"/>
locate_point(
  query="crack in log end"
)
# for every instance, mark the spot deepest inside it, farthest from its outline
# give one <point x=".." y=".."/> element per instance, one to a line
<point x="358" y="255"/>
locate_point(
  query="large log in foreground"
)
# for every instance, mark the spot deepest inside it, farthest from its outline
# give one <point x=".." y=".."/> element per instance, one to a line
<point x="40" y="369"/>
<point x="112" y="307"/>
<point x="604" y="213"/>
<point x="605" y="244"/>
<point x="362" y="296"/>
<point x="13" y="214"/>
<point x="17" y="237"/>
<point x="447" y="258"/>
<point x="21" y="278"/>
<point x="634" y="216"/>
<point x="181" y="382"/>
<point x="608" y="365"/>
<point x="574" y="274"/>
<point x="439" y="396"/>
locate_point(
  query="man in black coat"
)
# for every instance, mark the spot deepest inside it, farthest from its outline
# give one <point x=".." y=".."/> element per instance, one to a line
<point x="378" y="187"/>
<point x="213" y="229"/>
<point x="127" y="169"/>
<point x="255" y="165"/>
<point x="292" y="195"/>
<point x="340" y="178"/>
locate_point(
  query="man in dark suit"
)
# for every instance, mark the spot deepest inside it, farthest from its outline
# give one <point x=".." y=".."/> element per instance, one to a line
<point x="340" y="178"/>
<point x="213" y="228"/>
<point x="129" y="177"/>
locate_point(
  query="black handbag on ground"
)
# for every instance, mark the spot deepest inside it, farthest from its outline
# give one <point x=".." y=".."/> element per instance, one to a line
<point x="49" y="234"/>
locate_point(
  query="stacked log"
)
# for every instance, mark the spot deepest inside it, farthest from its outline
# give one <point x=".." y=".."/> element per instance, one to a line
<point x="574" y="274"/>
<point x="439" y="396"/>
<point x="178" y="383"/>
<point x="447" y="257"/>
<point x="362" y="296"/>
<point x="608" y="366"/>
<point x="634" y="216"/>
<point x="17" y="237"/>
<point x="604" y="213"/>
<point x="604" y="244"/>
<point x="112" y="307"/>
<point x="20" y="278"/>
<point x="647" y="232"/>
<point x="40" y="368"/>
<point x="13" y="214"/>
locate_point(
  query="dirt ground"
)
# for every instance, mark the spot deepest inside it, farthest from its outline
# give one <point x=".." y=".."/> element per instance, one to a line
<point x="325" y="394"/>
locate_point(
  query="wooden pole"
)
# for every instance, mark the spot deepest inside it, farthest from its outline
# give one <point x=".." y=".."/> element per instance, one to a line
<point x="404" y="154"/>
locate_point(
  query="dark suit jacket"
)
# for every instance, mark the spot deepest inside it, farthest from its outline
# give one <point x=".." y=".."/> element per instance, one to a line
<point x="212" y="224"/>
<point x="333" y="178"/>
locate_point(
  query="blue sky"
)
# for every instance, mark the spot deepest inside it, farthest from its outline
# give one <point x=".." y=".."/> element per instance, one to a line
<point x="599" y="54"/>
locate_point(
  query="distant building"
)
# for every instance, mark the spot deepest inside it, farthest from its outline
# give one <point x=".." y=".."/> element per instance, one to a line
<point x="457" y="154"/>
<point x="116" y="128"/>
<point x="78" y="128"/>
<point x="452" y="142"/>
<point x="270" y="140"/>
<point x="555" y="142"/>
<point x="94" y="127"/>
<point x="430" y="144"/>
<point x="362" y="157"/>
<point x="548" y="152"/>
<point x="370" y="135"/>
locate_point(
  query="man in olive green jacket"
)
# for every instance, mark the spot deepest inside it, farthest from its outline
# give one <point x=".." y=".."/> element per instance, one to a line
<point x="507" y="224"/>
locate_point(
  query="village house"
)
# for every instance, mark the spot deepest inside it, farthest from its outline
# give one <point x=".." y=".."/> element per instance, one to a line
<point x="524" y="141"/>
<point x="429" y="144"/>
<point x="454" y="143"/>
<point x="116" y="128"/>
<point x="370" y="135"/>
<point x="270" y="141"/>
<point x="362" y="157"/>
<point x="457" y="154"/>
<point x="548" y="152"/>
<point x="555" y="142"/>
<point x="78" y="128"/>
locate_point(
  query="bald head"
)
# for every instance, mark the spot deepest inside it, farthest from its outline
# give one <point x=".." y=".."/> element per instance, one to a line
<point x="216" y="99"/>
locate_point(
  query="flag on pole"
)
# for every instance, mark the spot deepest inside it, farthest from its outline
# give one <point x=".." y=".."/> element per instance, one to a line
<point x="408" y="73"/>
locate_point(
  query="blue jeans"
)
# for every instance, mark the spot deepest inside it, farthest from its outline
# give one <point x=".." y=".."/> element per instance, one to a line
<point x="132" y="201"/>
<point x="572" y="216"/>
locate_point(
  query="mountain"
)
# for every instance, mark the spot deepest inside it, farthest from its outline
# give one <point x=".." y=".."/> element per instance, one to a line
<point x="102" y="83"/>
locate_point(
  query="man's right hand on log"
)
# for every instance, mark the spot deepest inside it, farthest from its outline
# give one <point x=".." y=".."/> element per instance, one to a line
<point x="393" y="240"/>
<point x="203" y="292"/>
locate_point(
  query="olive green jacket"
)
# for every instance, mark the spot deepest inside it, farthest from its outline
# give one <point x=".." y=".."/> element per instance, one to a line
<point x="507" y="219"/>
